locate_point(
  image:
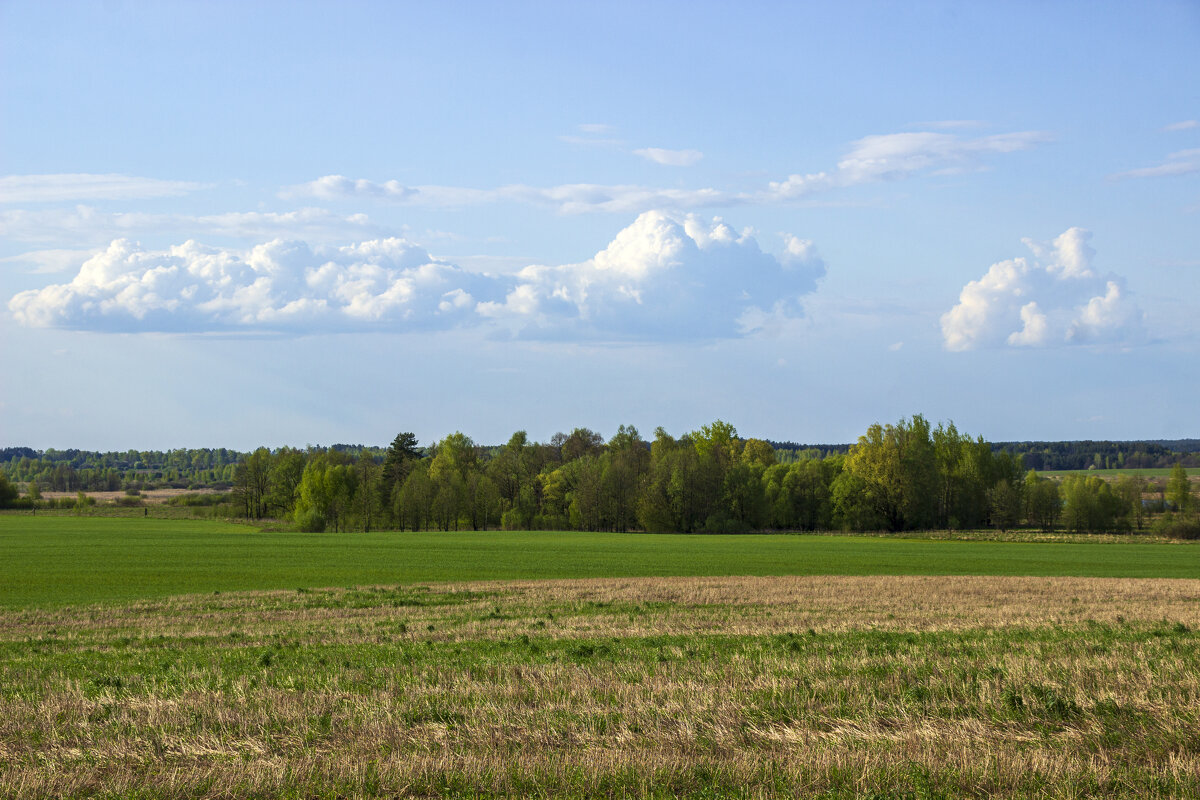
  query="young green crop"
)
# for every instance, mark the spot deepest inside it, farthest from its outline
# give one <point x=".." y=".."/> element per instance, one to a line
<point x="47" y="560"/>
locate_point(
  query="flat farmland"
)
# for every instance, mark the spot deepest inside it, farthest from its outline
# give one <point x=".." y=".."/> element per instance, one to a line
<point x="144" y="658"/>
<point x="56" y="560"/>
<point x="776" y="686"/>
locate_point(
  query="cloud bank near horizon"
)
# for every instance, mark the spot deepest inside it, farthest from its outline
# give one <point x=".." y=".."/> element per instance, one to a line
<point x="1055" y="298"/>
<point x="661" y="278"/>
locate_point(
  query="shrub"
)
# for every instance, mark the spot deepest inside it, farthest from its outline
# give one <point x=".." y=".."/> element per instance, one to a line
<point x="199" y="499"/>
<point x="1178" y="526"/>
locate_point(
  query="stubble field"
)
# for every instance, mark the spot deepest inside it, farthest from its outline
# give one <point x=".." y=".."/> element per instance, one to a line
<point x="767" y="686"/>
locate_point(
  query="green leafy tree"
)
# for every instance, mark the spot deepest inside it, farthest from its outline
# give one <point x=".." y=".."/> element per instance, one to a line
<point x="1130" y="489"/>
<point x="1006" y="504"/>
<point x="326" y="493"/>
<point x="624" y="465"/>
<point x="1179" y="489"/>
<point x="412" y="502"/>
<point x="514" y="470"/>
<point x="760" y="453"/>
<point x="287" y="470"/>
<point x="8" y="492"/>
<point x="579" y="443"/>
<point x="481" y="499"/>
<point x="1043" y="503"/>
<point x="799" y="495"/>
<point x="398" y="461"/>
<point x="1090" y="505"/>
<point x="368" y="476"/>
<point x="252" y="483"/>
<point x="586" y="507"/>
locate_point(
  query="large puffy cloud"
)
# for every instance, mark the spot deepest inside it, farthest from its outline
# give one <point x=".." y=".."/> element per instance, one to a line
<point x="661" y="278"/>
<point x="280" y="285"/>
<point x="1054" y="298"/>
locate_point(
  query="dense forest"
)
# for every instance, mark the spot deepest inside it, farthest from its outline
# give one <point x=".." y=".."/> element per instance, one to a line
<point x="907" y="476"/>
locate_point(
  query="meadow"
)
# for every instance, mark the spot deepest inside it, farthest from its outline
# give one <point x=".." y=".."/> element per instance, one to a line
<point x="144" y="658"/>
<point x="56" y="560"/>
<point x="1116" y="472"/>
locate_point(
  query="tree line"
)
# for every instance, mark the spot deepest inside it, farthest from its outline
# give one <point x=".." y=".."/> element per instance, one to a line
<point x="897" y="477"/>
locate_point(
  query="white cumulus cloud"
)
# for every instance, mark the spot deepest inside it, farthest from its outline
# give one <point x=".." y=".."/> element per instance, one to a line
<point x="662" y="277"/>
<point x="279" y="285"/>
<point x="85" y="186"/>
<point x="1056" y="297"/>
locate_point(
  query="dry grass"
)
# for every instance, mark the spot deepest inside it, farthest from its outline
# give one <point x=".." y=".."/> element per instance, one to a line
<point x="151" y="497"/>
<point x="631" y="687"/>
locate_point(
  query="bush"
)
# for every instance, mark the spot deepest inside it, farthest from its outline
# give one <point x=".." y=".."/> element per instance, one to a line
<point x="310" y="522"/>
<point x="198" y="499"/>
<point x="1177" y="526"/>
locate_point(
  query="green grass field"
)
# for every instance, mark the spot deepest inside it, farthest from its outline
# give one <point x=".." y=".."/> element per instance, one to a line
<point x="55" y="560"/>
<point x="1156" y="472"/>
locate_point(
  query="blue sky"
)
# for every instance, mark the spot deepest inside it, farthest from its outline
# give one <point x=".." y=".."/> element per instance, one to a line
<point x="284" y="223"/>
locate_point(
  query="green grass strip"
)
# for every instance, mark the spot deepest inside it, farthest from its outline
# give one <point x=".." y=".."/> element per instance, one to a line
<point x="54" y="561"/>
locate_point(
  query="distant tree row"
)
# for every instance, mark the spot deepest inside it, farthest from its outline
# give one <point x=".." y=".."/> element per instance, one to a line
<point x="907" y="476"/>
<point x="901" y="477"/>
<point x="1106" y="455"/>
<point x="91" y="471"/>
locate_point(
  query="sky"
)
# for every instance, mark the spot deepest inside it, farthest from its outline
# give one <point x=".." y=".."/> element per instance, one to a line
<point x="243" y="224"/>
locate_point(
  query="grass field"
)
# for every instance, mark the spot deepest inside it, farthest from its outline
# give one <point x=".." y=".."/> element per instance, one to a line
<point x="920" y="687"/>
<point x="142" y="658"/>
<point x="1156" y="472"/>
<point x="55" y="560"/>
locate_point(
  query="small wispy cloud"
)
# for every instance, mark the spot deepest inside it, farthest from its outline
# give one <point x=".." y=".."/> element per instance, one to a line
<point x="593" y="134"/>
<point x="872" y="159"/>
<point x="950" y="124"/>
<point x="1182" y="125"/>
<point x="88" y="225"/>
<point x="50" y="261"/>
<point x="1183" y="162"/>
<point x="890" y="157"/>
<point x="671" y="158"/>
<point x="67" y="187"/>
